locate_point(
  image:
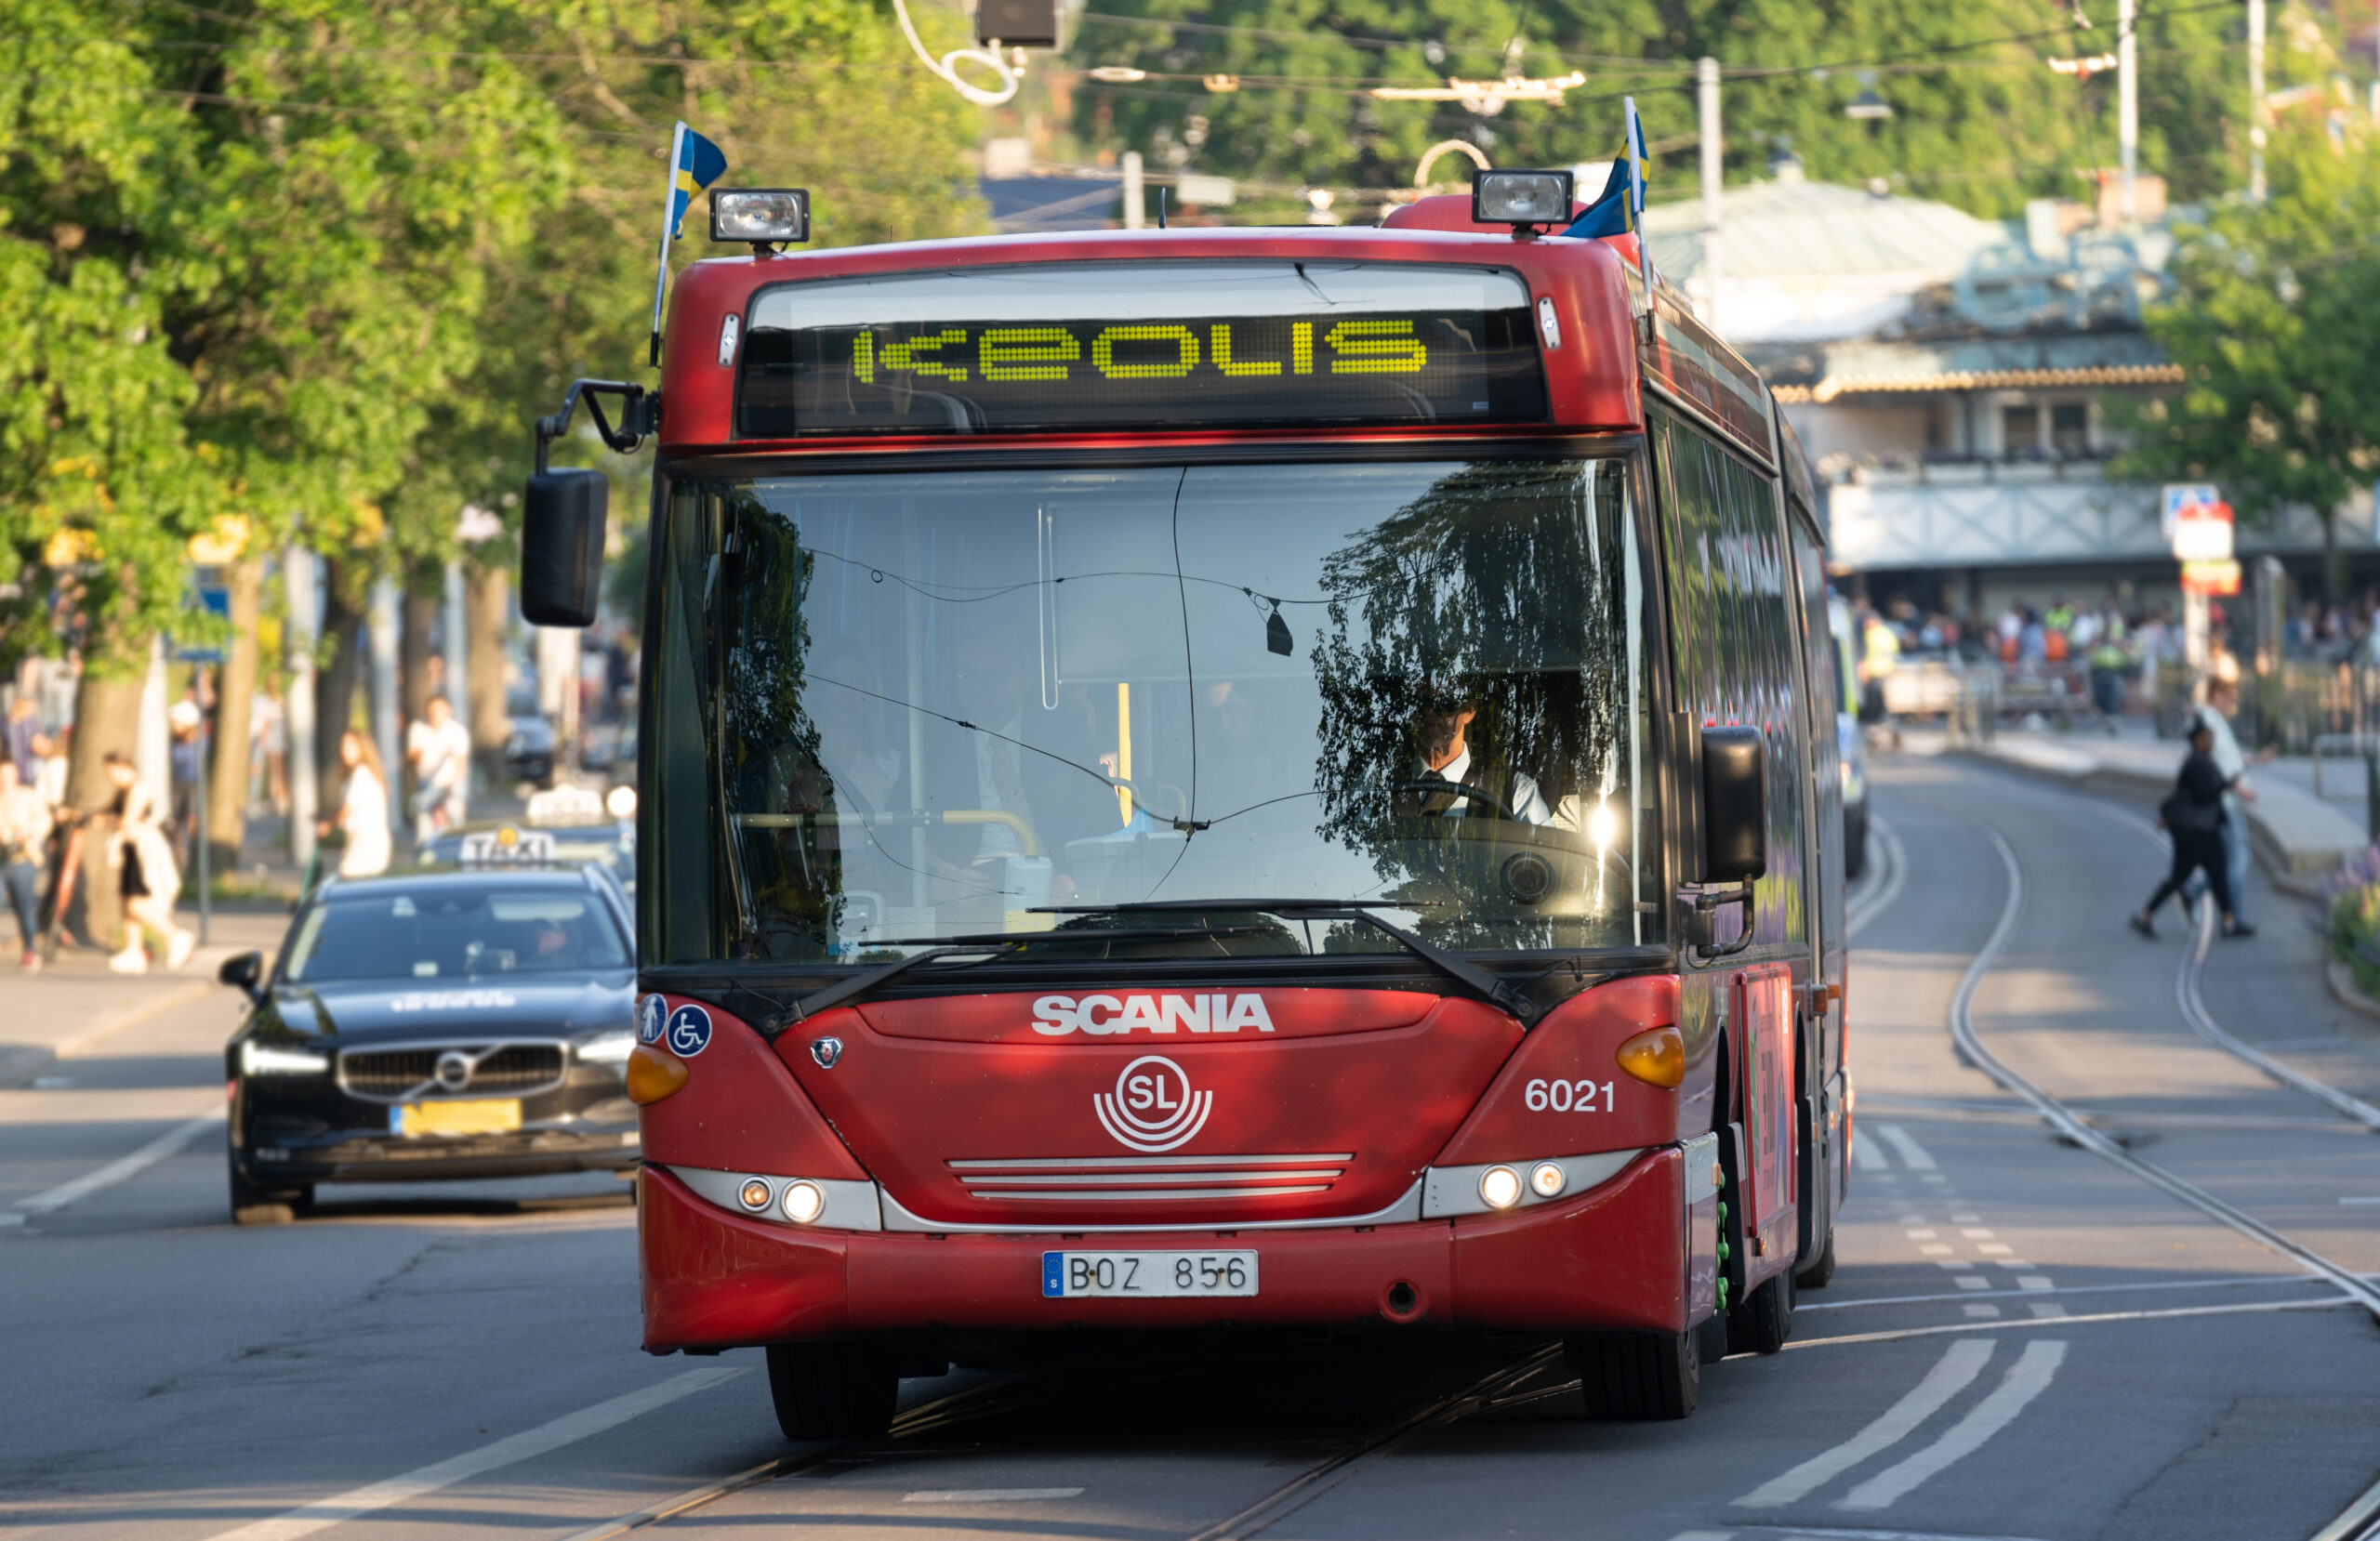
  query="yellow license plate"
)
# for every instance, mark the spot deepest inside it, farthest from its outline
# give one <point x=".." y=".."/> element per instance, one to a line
<point x="481" y="1115"/>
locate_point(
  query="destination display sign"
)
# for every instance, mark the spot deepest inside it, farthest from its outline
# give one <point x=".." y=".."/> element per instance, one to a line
<point x="936" y="362"/>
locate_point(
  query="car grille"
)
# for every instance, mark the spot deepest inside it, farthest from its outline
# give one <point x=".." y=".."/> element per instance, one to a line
<point x="1147" y="1178"/>
<point x="402" y="1072"/>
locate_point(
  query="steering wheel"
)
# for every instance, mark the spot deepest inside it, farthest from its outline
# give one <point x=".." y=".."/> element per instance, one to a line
<point x="1463" y="789"/>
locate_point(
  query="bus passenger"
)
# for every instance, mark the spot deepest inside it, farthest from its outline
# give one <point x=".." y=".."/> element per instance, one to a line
<point x="1441" y="739"/>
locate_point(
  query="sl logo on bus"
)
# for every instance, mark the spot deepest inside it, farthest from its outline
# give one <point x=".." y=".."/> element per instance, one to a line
<point x="1152" y="1108"/>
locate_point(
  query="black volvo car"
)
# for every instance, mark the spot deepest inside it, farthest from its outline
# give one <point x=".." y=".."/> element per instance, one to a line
<point x="471" y="1023"/>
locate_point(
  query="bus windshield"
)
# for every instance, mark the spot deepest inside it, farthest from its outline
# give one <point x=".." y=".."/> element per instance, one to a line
<point x="900" y="708"/>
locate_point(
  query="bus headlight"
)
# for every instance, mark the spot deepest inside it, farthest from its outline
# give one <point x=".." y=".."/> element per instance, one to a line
<point x="1500" y="1187"/>
<point x="1548" y="1179"/>
<point x="754" y="1194"/>
<point x="803" y="1201"/>
<point x="256" y="1058"/>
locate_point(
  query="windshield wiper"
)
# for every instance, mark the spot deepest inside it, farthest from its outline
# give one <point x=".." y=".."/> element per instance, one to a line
<point x="806" y="1006"/>
<point x="1478" y="981"/>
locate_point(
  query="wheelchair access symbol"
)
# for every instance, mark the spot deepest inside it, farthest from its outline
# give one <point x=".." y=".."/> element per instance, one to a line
<point x="689" y="1031"/>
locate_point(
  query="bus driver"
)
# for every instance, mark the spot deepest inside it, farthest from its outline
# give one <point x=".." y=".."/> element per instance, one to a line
<point x="1439" y="736"/>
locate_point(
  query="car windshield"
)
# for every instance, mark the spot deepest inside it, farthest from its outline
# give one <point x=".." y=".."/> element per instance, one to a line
<point x="454" y="932"/>
<point x="901" y="707"/>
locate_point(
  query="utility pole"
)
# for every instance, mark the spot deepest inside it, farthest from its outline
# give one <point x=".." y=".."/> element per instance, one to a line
<point x="2256" y="102"/>
<point x="2128" y="107"/>
<point x="1706" y="96"/>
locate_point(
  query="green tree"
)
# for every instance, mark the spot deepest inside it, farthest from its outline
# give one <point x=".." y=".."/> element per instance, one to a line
<point x="2272" y="322"/>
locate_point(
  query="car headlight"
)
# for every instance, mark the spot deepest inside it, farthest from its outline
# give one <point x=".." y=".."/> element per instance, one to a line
<point x="607" y="1048"/>
<point x="256" y="1059"/>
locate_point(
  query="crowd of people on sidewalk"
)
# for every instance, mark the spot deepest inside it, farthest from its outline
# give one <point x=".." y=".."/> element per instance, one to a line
<point x="147" y="841"/>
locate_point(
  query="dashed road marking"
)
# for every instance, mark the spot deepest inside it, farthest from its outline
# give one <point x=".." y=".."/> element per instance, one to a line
<point x="2026" y="1379"/>
<point x="990" y="1494"/>
<point x="323" y="1513"/>
<point x="1864" y="1156"/>
<point x="2326" y="1302"/>
<point x="1913" y="1155"/>
<point x="1957" y="1368"/>
<point x="124" y="1167"/>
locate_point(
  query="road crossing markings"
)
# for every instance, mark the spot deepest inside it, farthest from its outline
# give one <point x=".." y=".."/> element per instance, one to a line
<point x="1867" y="1158"/>
<point x="1957" y="1368"/>
<point x="2369" y="1198"/>
<point x="2026" y="1379"/>
<point x="1980" y="1313"/>
<point x="121" y="1169"/>
<point x="2241" y="1281"/>
<point x="1913" y="1155"/>
<point x="990" y="1494"/>
<point x="323" y="1513"/>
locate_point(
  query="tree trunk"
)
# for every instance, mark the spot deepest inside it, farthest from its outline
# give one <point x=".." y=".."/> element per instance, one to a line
<point x="227" y="785"/>
<point x="334" y="681"/>
<point x="107" y="719"/>
<point x="487" y="603"/>
<point x="420" y="601"/>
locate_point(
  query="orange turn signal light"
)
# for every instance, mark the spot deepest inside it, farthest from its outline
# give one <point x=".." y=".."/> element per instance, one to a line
<point x="1656" y="1058"/>
<point x="654" y="1073"/>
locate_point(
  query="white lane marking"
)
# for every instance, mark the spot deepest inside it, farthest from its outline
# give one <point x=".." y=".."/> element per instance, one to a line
<point x="1994" y="1249"/>
<point x="2328" y="1302"/>
<point x="11" y="1220"/>
<point x="1913" y="1155"/>
<point x="1921" y="1235"/>
<point x="1965" y="1280"/>
<point x="1937" y="1249"/>
<point x="122" y="1167"/>
<point x="1981" y="1313"/>
<point x="1938" y="1179"/>
<point x="1966" y="1219"/>
<point x="1977" y="1233"/>
<point x="2373" y="1198"/>
<point x="692" y="1498"/>
<point x="1827" y="1532"/>
<point x="1704" y="1535"/>
<point x="1864" y="1156"/>
<point x="2046" y="1308"/>
<point x="1959" y="1366"/>
<point x="323" y="1513"/>
<point x="2236" y="1282"/>
<point x="2026" y="1379"/>
<point x="990" y="1494"/>
<point x="2031" y="1283"/>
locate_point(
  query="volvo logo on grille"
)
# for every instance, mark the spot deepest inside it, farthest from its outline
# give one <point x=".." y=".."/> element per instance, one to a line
<point x="1152" y="1108"/>
<point x="453" y="1072"/>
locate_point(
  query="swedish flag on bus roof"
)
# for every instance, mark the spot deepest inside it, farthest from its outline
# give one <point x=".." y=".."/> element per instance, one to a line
<point x="694" y="163"/>
<point x="1620" y="207"/>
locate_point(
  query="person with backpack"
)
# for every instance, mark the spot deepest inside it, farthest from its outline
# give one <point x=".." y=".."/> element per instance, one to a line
<point x="2194" y="816"/>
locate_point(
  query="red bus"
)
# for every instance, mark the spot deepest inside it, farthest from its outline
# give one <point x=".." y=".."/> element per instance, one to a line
<point x="1219" y="782"/>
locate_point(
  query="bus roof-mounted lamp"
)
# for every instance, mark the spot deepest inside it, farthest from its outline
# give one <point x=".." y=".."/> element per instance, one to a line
<point x="1525" y="200"/>
<point x="767" y="218"/>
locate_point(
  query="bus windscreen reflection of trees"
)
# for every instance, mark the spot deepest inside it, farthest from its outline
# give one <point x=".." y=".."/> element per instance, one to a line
<point x="1492" y="609"/>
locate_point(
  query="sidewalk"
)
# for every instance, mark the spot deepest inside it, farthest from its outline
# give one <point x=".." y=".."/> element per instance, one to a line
<point x="2297" y="835"/>
<point x="74" y="1003"/>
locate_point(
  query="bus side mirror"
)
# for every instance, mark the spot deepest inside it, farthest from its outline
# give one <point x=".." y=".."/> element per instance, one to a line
<point x="562" y="547"/>
<point x="1735" y="805"/>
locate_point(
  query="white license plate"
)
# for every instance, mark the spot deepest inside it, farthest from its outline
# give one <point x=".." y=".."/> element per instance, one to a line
<point x="1146" y="1275"/>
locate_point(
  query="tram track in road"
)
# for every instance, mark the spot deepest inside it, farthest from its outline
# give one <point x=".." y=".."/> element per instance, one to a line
<point x="2073" y="1127"/>
<point x="1505" y="1387"/>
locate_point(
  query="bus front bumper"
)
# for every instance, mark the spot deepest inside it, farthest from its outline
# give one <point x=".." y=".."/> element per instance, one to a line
<point x="1615" y="1258"/>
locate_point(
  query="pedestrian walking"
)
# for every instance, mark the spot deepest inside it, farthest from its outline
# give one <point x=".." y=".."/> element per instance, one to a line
<point x="362" y="810"/>
<point x="24" y="839"/>
<point x="184" y="720"/>
<point x="2222" y="704"/>
<point x="439" y="748"/>
<point x="2193" y="815"/>
<point x="149" y="878"/>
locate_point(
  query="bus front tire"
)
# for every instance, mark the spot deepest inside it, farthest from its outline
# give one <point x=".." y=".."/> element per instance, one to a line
<point x="831" y="1390"/>
<point x="1636" y="1376"/>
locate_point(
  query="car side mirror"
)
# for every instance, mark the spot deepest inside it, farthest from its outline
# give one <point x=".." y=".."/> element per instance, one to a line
<point x="1735" y="805"/>
<point x="562" y="547"/>
<point x="243" y="972"/>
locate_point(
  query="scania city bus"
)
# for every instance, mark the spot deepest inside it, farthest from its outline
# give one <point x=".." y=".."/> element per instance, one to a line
<point x="1221" y="782"/>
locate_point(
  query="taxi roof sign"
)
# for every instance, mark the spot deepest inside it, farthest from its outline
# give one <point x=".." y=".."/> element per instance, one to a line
<point x="566" y="805"/>
<point x="506" y="846"/>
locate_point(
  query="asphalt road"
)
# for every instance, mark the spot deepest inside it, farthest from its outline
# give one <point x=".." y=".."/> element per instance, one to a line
<point x="2123" y="1330"/>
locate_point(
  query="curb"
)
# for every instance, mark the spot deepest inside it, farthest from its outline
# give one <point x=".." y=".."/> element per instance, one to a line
<point x="2342" y="986"/>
